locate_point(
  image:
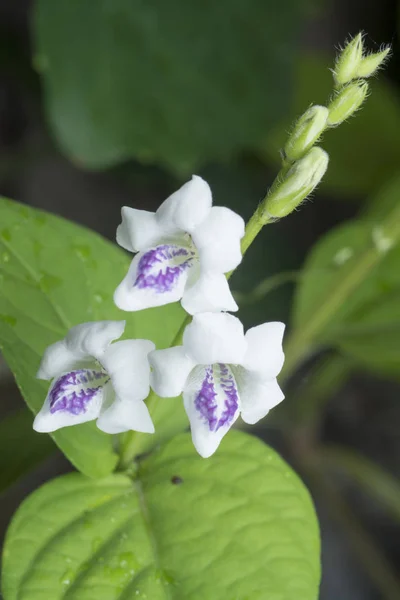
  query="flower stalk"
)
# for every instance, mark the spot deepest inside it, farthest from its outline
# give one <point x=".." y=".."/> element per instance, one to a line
<point x="303" y="166"/>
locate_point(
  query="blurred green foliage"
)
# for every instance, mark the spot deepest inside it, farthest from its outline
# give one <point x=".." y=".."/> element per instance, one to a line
<point x="176" y="83"/>
<point x="349" y="295"/>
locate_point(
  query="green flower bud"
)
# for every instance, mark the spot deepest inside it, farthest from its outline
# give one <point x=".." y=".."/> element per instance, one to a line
<point x="371" y="63"/>
<point x="296" y="183"/>
<point x="306" y="132"/>
<point x="348" y="61"/>
<point x="346" y="102"/>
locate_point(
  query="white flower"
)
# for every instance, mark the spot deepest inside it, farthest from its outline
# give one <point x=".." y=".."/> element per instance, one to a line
<point x="222" y="373"/>
<point x="94" y="379"/>
<point x="184" y="249"/>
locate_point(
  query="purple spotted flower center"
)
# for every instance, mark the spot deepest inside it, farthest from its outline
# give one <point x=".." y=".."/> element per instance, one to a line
<point x="74" y="391"/>
<point x="218" y="400"/>
<point x="162" y="267"/>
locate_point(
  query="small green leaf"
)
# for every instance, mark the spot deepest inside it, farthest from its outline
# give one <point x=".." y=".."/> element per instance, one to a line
<point x="237" y="526"/>
<point x="53" y="275"/>
<point x="21" y="448"/>
<point x="179" y="83"/>
<point x="349" y="295"/>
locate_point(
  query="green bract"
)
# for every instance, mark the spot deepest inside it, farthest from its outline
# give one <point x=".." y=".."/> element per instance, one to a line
<point x="239" y="526"/>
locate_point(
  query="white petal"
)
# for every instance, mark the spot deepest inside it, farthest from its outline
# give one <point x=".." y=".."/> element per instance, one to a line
<point x="217" y="240"/>
<point x="210" y="293"/>
<point x="211" y="402"/>
<point x="257" y="396"/>
<point x="92" y="339"/>
<point x="123" y="415"/>
<point x="127" y="364"/>
<point x="58" y="359"/>
<point x="73" y="398"/>
<point x="188" y="207"/>
<point x="155" y="278"/>
<point x="170" y="369"/>
<point x="140" y="229"/>
<point x="264" y="350"/>
<point x="213" y="338"/>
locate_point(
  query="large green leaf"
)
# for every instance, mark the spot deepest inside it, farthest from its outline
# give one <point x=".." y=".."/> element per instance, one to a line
<point x="53" y="275"/>
<point x="365" y="151"/>
<point x="349" y="295"/>
<point x="173" y="82"/>
<point x="21" y="448"/>
<point x="239" y="526"/>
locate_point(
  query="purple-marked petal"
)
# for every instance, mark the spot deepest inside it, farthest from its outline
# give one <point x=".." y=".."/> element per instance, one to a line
<point x="155" y="277"/>
<point x="73" y="391"/>
<point x="211" y="402"/>
<point x="160" y="268"/>
<point x="73" y="398"/>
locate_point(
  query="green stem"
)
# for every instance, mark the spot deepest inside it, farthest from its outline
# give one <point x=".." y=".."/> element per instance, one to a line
<point x="254" y="226"/>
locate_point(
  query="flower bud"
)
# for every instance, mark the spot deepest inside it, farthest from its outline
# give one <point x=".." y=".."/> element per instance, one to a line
<point x="348" y="61"/>
<point x="346" y="102"/>
<point x="296" y="183"/>
<point x="306" y="132"/>
<point x="371" y="63"/>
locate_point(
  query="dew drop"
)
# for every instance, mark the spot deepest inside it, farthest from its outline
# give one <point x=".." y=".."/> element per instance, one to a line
<point x="99" y="298"/>
<point x="5" y="257"/>
<point x="82" y="251"/>
<point x="342" y="256"/>
<point x="67" y="577"/>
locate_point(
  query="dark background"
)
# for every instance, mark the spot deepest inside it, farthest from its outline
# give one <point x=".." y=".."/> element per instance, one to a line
<point x="363" y="413"/>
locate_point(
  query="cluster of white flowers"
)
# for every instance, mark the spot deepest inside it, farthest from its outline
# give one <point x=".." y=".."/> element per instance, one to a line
<point x="183" y="252"/>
